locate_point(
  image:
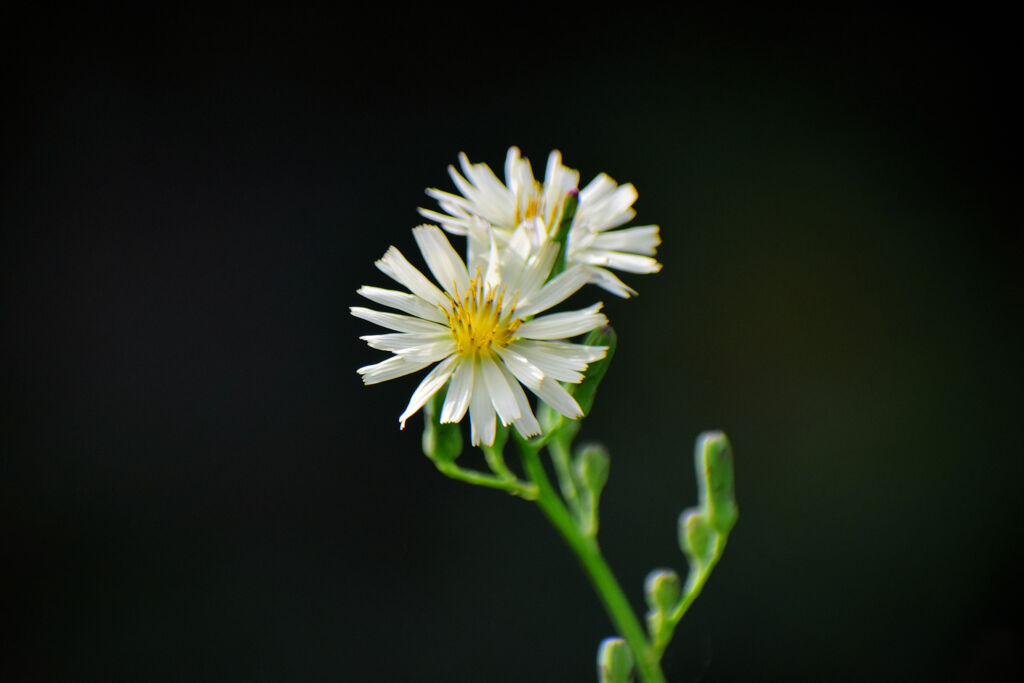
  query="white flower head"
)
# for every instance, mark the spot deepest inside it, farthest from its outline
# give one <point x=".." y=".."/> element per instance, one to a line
<point x="522" y="203"/>
<point x="478" y="331"/>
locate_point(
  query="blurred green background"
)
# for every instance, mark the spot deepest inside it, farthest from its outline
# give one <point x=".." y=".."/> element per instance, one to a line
<point x="197" y="487"/>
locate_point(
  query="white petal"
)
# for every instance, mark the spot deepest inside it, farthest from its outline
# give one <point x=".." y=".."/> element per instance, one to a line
<point x="564" y="362"/>
<point x="481" y="414"/>
<point x="597" y="189"/>
<point x="563" y="325"/>
<point x="397" y="321"/>
<point x="501" y="395"/>
<point x="393" y="367"/>
<point x="552" y="393"/>
<point x="456" y="402"/>
<point x="631" y="263"/>
<point x="444" y="263"/>
<point x="395" y="266"/>
<point x="397" y="342"/>
<point x="554" y="291"/>
<point x="639" y="240"/>
<point x="534" y="273"/>
<point x="456" y="226"/>
<point x="432" y="352"/>
<point x="511" y="166"/>
<point x="527" y="424"/>
<point x="613" y="210"/>
<point x="434" y="380"/>
<point x="525" y="371"/>
<point x="607" y="280"/>
<point x="408" y="303"/>
<point x="576" y="353"/>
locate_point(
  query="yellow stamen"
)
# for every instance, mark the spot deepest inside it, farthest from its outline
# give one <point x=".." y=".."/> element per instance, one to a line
<point x="477" y="320"/>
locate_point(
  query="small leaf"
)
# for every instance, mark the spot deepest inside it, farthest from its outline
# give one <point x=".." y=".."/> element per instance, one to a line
<point x="614" y="661"/>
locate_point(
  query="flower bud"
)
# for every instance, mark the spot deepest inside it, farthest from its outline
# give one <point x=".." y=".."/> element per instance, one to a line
<point x="662" y="588"/>
<point x="614" y="661"/>
<point x="715" y="477"/>
<point x="592" y="465"/>
<point x="696" y="537"/>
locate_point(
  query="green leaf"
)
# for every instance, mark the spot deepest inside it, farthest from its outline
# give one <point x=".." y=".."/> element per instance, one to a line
<point x="585" y="391"/>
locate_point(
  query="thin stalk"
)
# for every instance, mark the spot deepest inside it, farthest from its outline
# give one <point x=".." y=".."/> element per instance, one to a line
<point x="524" y="489"/>
<point x="600" y="575"/>
<point x="693" y="590"/>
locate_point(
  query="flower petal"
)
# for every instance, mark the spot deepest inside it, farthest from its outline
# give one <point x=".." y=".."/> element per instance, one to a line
<point x="397" y="321"/>
<point x="408" y="303"/>
<point x="393" y="367"/>
<point x="642" y="239"/>
<point x="552" y="393"/>
<point x="481" y="413"/>
<point x="563" y="325"/>
<point x="527" y="424"/>
<point x="444" y="263"/>
<point x="631" y="263"/>
<point x="525" y="371"/>
<point x="434" y="380"/>
<point x="460" y="388"/>
<point x="502" y="399"/>
<point x="555" y="291"/>
<point x="395" y="266"/>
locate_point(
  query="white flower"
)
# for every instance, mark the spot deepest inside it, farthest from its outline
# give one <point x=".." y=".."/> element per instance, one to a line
<point x="524" y="202"/>
<point x="479" y="332"/>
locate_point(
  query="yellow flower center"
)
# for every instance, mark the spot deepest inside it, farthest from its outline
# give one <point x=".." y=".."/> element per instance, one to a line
<point x="477" y="320"/>
<point x="530" y="204"/>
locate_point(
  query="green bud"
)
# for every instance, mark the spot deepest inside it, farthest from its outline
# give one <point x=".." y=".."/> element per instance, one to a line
<point x="715" y="476"/>
<point x="591" y="465"/>
<point x="662" y="588"/>
<point x="655" y="624"/>
<point x="614" y="661"/>
<point x="696" y="537"/>
<point x="585" y="391"/>
<point x="590" y="474"/>
<point x="441" y="442"/>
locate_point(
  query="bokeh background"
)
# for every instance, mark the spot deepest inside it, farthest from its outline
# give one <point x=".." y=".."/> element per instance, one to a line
<point x="196" y="486"/>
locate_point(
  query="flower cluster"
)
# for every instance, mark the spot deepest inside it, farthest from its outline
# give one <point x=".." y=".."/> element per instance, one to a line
<point x="530" y="245"/>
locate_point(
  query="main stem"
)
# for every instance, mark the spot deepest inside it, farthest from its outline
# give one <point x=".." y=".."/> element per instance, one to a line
<point x="605" y="583"/>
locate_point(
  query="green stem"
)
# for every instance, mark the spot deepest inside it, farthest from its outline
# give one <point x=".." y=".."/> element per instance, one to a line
<point x="527" y="491"/>
<point x="560" y="457"/>
<point x="601" y="576"/>
<point x="693" y="590"/>
<point x="496" y="461"/>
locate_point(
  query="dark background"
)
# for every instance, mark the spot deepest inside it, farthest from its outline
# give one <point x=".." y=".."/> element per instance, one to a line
<point x="196" y="486"/>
